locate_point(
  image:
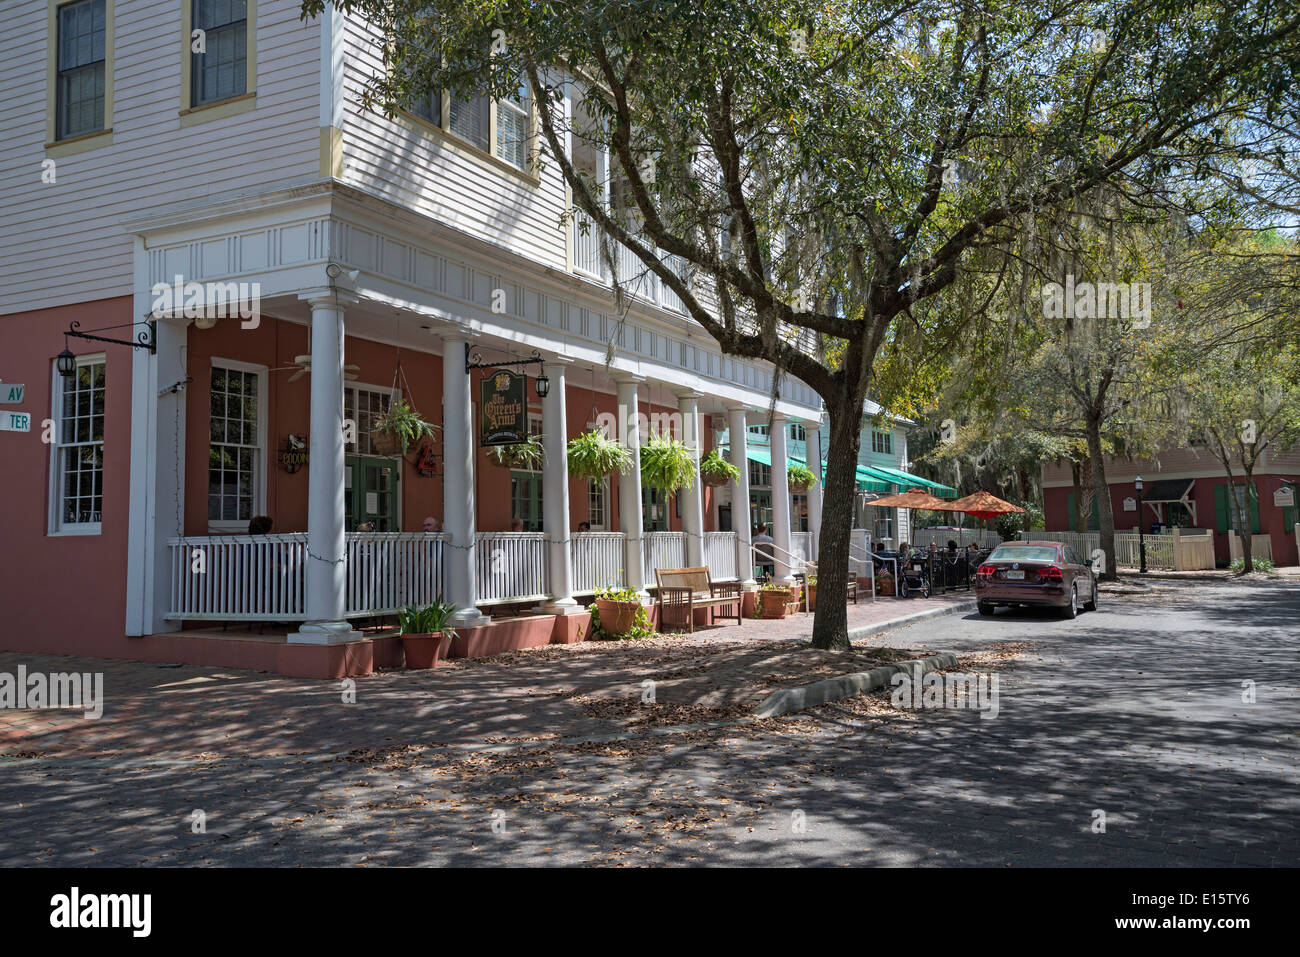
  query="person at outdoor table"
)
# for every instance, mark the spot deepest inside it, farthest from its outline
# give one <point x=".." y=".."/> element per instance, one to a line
<point x="584" y="526"/>
<point x="517" y="525"/>
<point x="766" y="558"/>
<point x="431" y="524"/>
<point x="366" y="527"/>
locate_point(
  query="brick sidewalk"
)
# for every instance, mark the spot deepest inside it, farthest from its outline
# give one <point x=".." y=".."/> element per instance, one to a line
<point x="590" y="688"/>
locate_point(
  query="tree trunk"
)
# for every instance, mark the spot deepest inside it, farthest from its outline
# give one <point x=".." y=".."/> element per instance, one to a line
<point x="1076" y="477"/>
<point x="1105" y="517"/>
<point x="831" y="619"/>
<point x="1247" y="560"/>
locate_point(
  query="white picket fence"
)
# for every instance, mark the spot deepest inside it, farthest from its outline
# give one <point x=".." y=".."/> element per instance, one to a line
<point x="597" y="561"/>
<point x="984" y="538"/>
<point x="1261" y="546"/>
<point x="1183" y="549"/>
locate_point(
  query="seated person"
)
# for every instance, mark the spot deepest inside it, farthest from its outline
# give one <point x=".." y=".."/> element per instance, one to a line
<point x="431" y="524"/>
<point x="259" y="525"/>
<point x="764" y="557"/>
<point x="584" y="526"/>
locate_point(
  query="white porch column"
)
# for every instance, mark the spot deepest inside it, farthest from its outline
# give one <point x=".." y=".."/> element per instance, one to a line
<point x="780" y="531"/>
<point x="458" y="483"/>
<point x="629" y="486"/>
<point x="737" y="430"/>
<point x="688" y="404"/>
<point x="327" y="568"/>
<point x="813" y="455"/>
<point x="555" y="492"/>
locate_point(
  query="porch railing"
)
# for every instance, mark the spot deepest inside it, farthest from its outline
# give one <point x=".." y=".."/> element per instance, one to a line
<point x="389" y="570"/>
<point x="720" y="555"/>
<point x="510" y="567"/>
<point x="662" y="550"/>
<point x="801" y="546"/>
<point x="597" y="561"/>
<point x="586" y="245"/>
<point x="253" y="578"/>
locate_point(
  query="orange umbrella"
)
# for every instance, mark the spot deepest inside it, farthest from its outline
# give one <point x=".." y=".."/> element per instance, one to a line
<point x="913" y="499"/>
<point x="981" y="505"/>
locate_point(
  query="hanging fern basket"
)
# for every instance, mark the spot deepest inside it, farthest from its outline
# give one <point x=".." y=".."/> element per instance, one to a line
<point x="715" y="471"/>
<point x="383" y="442"/>
<point x="800" y="478"/>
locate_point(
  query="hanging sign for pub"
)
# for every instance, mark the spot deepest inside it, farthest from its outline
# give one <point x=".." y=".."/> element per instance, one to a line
<point x="503" y="413"/>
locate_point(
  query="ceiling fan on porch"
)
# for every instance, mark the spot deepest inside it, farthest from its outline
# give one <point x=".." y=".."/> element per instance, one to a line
<point x="302" y="365"/>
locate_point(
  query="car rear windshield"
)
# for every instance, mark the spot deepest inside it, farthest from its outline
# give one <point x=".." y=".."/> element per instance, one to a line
<point x="1023" y="553"/>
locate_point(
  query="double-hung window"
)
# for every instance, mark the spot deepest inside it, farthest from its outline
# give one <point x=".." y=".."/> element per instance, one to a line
<point x="220" y="71"/>
<point x="882" y="442"/>
<point x="80" y="69"/>
<point x="236" y="445"/>
<point x="78" y="450"/>
<point x="514" y="128"/>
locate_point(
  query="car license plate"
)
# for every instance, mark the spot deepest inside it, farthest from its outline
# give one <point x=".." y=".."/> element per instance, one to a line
<point x="1015" y="575"/>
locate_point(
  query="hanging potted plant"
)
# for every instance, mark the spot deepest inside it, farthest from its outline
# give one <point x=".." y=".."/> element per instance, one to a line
<point x="666" y="464"/>
<point x="593" y="455"/>
<point x="617" y="610"/>
<point x="398" y="429"/>
<point x="800" y="478"/>
<point x="425" y="635"/>
<point x="527" y="454"/>
<point x="716" y="471"/>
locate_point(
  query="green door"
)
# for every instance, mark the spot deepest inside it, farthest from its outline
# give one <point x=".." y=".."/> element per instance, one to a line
<point x="370" y="492"/>
<point x="526" y="499"/>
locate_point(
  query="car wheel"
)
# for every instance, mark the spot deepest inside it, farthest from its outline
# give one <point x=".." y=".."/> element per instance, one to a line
<point x="1072" y="609"/>
<point x="985" y="608"/>
<point x="1092" y="602"/>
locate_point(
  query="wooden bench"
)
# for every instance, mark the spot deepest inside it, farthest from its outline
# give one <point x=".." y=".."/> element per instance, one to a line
<point x="686" y="589"/>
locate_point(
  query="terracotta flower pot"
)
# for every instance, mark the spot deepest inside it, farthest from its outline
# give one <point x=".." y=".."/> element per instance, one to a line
<point x="617" y="617"/>
<point x="774" y="602"/>
<point x="812" y="598"/>
<point x="885" y="585"/>
<point x="424" y="650"/>
<point x="713" y="479"/>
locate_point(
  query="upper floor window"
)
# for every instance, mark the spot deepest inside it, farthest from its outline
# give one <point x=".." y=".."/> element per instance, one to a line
<point x="798" y="433"/>
<point x="882" y="442"/>
<point x="514" y="128"/>
<point x="500" y="128"/>
<point x="80" y="69"/>
<point x="760" y="475"/>
<point x="220" y="70"/>
<point x="77" y="470"/>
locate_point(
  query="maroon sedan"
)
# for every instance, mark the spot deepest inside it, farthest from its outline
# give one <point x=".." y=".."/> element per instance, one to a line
<point x="1036" y="573"/>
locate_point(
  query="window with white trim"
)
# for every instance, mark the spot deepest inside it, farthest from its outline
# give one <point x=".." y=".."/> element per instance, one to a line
<point x="882" y="442"/>
<point x="362" y="406"/>
<point x="472" y="119"/>
<point x="221" y="71"/>
<point x="597" y="504"/>
<point x="80" y="74"/>
<point x="77" y="469"/>
<point x="236" y="450"/>
<point x="514" y="128"/>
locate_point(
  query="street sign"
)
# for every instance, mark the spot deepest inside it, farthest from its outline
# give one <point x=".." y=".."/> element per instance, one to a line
<point x="12" y="392"/>
<point x="15" y="422"/>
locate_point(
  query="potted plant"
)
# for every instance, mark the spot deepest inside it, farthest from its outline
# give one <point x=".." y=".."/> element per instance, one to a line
<point x="425" y="635"/>
<point x="800" y="478"/>
<point x="775" y="599"/>
<point x="666" y="464"/>
<point x="716" y="471"/>
<point x="593" y="455"/>
<point x="398" y="429"/>
<point x="527" y="454"/>
<point x="810" y="594"/>
<point x="617" y="609"/>
<point x="884" y="582"/>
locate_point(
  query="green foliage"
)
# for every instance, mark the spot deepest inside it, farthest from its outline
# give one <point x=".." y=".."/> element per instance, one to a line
<point x="429" y="620"/>
<point x="617" y="593"/>
<point x="593" y="455"/>
<point x="640" y="620"/>
<point x="800" y="476"/>
<point x="406" y="424"/>
<point x="528" y="454"/>
<point x="666" y="464"/>
<point x="1262" y="565"/>
<point x="715" y="464"/>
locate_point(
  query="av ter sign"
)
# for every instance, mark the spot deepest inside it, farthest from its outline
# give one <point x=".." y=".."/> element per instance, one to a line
<point x="15" y="422"/>
<point x="12" y="392"/>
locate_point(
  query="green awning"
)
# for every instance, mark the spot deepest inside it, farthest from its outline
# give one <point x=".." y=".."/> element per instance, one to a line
<point x="906" y="480"/>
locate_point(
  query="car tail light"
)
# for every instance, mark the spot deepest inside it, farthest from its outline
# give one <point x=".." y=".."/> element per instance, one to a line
<point x="1050" y="571"/>
<point x="985" y="572"/>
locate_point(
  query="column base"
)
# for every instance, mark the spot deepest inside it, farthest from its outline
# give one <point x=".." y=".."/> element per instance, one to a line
<point x="565" y="606"/>
<point x="324" y="633"/>
<point x="468" y="618"/>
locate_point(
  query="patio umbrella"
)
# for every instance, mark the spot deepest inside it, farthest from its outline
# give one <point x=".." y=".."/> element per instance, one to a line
<point x="913" y="499"/>
<point x="983" y="505"/>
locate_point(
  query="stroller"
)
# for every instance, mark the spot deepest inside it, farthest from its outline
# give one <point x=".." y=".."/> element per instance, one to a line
<point x="914" y="575"/>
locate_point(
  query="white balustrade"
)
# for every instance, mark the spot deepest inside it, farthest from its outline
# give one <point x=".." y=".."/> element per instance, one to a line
<point x="389" y="570"/>
<point x="586" y="245"/>
<point x="663" y="550"/>
<point x="597" y="561"/>
<point x="720" y="554"/>
<point x="252" y="578"/>
<point x="510" y="566"/>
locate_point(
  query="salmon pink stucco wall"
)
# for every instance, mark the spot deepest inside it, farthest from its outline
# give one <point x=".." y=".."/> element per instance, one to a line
<point x="63" y="594"/>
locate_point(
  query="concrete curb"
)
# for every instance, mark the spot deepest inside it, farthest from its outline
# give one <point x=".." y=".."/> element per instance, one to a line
<point x="846" y="686"/>
<point x="870" y="631"/>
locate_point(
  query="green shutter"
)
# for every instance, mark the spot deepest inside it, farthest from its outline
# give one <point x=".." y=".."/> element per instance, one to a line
<point x="1069" y="512"/>
<point x="1221" y="508"/>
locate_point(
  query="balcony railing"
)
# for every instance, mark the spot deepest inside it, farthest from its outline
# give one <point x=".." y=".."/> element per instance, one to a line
<point x="510" y="567"/>
<point x="636" y="278"/>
